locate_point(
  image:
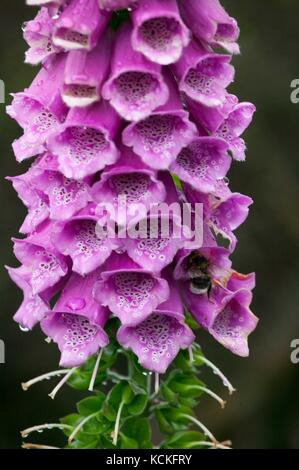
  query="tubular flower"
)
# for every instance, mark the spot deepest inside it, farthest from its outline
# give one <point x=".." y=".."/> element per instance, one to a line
<point x="224" y="211"/>
<point x="84" y="143"/>
<point x="157" y="340"/>
<point x="85" y="72"/>
<point x="203" y="75"/>
<point x="34" y="306"/>
<point x="80" y="25"/>
<point x="79" y="239"/>
<point x="218" y="297"/>
<point x="203" y="163"/>
<point x="159" y="138"/>
<point x="135" y="87"/>
<point x="227" y="121"/>
<point x="130" y="292"/>
<point x="209" y="22"/>
<point x="130" y="121"/>
<point x="39" y="110"/>
<point x="159" y="33"/>
<point x="126" y="184"/>
<point x="77" y="321"/>
<point x="38" y="35"/>
<point x="63" y="197"/>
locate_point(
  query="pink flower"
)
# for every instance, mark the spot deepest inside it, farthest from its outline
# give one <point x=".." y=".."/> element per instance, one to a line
<point x="125" y="125"/>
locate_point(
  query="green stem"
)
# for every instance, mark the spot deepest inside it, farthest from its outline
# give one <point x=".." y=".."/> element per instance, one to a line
<point x="80" y="426"/>
<point x="42" y="427"/>
<point x="117" y="423"/>
<point x="201" y="426"/>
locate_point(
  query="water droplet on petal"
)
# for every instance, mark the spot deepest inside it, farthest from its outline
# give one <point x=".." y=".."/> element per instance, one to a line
<point x="22" y="328"/>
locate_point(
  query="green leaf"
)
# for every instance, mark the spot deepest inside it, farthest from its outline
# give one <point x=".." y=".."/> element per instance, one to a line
<point x="178" y="415"/>
<point x="131" y="395"/>
<point x="197" y="355"/>
<point x="188" y="401"/>
<point x="185" y="440"/>
<point x="138" y="373"/>
<point x="71" y="420"/>
<point x="197" y="359"/>
<point x="107" y="443"/>
<point x="186" y="385"/>
<point x="164" y="425"/>
<point x="85" y="438"/>
<point x="93" y="444"/>
<point x="127" y="394"/>
<point x="138" y="405"/>
<point x="109" y="412"/>
<point x="139" y="429"/>
<point x="170" y="396"/>
<point x="95" y="427"/>
<point x="172" y="419"/>
<point x="114" y="397"/>
<point x="127" y="442"/>
<point x="182" y="362"/>
<point x="90" y="405"/>
<point x="121" y="392"/>
<point x="79" y="380"/>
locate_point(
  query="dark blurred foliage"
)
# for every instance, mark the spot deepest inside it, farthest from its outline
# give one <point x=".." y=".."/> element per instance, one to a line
<point x="264" y="413"/>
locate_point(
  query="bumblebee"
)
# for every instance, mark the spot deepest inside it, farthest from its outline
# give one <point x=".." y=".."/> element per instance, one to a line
<point x="197" y="268"/>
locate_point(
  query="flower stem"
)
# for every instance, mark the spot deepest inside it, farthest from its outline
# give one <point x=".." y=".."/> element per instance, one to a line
<point x="55" y="373"/>
<point x="80" y="426"/>
<point x="211" y="445"/>
<point x="148" y="383"/>
<point x="191" y="357"/>
<point x="61" y="383"/>
<point x="116" y="376"/>
<point x="95" y="371"/>
<point x="42" y="427"/>
<point x="157" y="383"/>
<point x="117" y="423"/>
<point x="38" y="446"/>
<point x="201" y="426"/>
<point x="213" y="395"/>
<point x="218" y="372"/>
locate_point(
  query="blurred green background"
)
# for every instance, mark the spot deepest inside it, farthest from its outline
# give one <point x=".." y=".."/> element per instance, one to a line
<point x="264" y="413"/>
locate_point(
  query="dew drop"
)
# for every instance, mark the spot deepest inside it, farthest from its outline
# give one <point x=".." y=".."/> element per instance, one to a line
<point x="22" y="328"/>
